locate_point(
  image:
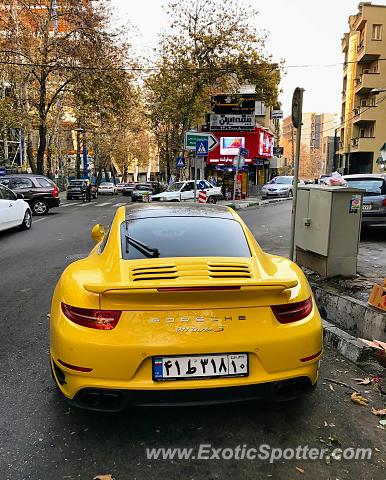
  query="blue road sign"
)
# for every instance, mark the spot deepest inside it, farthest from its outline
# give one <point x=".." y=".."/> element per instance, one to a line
<point x="244" y="152"/>
<point x="3" y="171"/>
<point x="201" y="185"/>
<point x="202" y="148"/>
<point x="180" y="162"/>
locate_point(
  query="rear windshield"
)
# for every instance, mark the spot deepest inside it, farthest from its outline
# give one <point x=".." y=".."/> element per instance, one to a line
<point x="185" y="237"/>
<point x="143" y="187"/>
<point x="372" y="186"/>
<point x="78" y="182"/>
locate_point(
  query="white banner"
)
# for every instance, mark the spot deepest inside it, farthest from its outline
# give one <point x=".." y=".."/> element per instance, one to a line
<point x="232" y="122"/>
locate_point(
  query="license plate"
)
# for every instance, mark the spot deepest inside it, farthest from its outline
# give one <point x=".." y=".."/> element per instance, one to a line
<point x="200" y="366"/>
<point x="367" y="206"/>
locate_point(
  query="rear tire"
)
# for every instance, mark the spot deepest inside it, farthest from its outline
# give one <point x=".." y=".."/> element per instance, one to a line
<point x="290" y="194"/>
<point x="40" y="207"/>
<point x="212" y="200"/>
<point x="27" y="220"/>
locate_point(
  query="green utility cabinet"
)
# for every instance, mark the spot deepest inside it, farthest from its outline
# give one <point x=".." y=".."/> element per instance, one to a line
<point x="327" y="229"/>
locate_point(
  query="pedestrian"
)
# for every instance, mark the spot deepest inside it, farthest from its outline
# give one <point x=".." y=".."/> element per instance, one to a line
<point x="88" y="192"/>
<point x="224" y="190"/>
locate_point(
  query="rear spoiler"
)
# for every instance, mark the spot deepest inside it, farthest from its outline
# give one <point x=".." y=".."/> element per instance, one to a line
<point x="278" y="285"/>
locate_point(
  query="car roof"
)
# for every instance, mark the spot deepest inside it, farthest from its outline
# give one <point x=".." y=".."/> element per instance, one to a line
<point x="177" y="210"/>
<point x="27" y="175"/>
<point x="365" y="175"/>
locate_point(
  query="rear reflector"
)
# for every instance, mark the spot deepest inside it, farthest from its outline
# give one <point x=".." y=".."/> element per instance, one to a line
<point x="194" y="289"/>
<point x="292" y="312"/>
<point x="74" y="367"/>
<point x="87" y="317"/>
<point x="307" y="359"/>
<point x="384" y="203"/>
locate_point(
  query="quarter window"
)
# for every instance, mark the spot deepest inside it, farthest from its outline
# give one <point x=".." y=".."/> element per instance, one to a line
<point x="377" y="32"/>
<point x="6" y="194"/>
<point x="45" y="182"/>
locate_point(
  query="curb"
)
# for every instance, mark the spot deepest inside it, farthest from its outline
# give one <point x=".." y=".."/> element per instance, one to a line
<point x="347" y="345"/>
<point x="259" y="203"/>
<point x="352" y="315"/>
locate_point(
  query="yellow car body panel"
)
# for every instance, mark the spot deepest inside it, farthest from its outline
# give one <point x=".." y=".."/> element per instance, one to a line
<point x="157" y="321"/>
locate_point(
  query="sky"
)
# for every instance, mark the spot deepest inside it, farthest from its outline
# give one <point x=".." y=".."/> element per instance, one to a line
<point x="302" y="32"/>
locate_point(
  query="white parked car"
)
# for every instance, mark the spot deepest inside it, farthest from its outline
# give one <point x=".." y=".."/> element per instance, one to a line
<point x="281" y="186"/>
<point x="120" y="186"/>
<point x="184" y="191"/>
<point x="107" y="188"/>
<point x="14" y="211"/>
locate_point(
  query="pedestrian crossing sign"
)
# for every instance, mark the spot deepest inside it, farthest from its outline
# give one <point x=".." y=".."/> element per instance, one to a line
<point x="202" y="148"/>
<point x="180" y="162"/>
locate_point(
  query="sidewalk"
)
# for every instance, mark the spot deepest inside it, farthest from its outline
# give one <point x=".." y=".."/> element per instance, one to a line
<point x="250" y="202"/>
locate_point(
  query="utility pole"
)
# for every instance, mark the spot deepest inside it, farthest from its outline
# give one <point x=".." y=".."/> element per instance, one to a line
<point x="297" y="110"/>
<point x="195" y="178"/>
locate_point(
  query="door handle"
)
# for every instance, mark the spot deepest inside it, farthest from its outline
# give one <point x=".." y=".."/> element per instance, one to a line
<point x="10" y="205"/>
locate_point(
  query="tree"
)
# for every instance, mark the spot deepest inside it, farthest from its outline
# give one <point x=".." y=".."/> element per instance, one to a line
<point x="52" y="49"/>
<point x="213" y="46"/>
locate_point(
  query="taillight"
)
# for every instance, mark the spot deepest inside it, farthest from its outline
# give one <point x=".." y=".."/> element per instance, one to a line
<point x="55" y="192"/>
<point x="384" y="203"/>
<point x="87" y="317"/>
<point x="292" y="312"/>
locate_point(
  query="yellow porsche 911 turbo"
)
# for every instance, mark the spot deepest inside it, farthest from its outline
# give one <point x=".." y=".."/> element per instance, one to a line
<point x="178" y="304"/>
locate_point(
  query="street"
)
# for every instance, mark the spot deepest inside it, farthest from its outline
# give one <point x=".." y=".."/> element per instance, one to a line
<point x="43" y="439"/>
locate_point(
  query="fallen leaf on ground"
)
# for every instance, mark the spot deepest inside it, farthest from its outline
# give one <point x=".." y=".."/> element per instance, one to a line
<point x="356" y="398"/>
<point x="363" y="381"/>
<point x="103" y="477"/>
<point x="300" y="470"/>
<point x="331" y="388"/>
<point x="380" y="411"/>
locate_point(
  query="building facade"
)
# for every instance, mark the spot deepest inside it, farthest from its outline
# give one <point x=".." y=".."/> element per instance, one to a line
<point x="315" y="158"/>
<point x="363" y="130"/>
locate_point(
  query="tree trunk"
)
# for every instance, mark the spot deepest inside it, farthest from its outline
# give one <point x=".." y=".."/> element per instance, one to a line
<point x="107" y="176"/>
<point x="42" y="146"/>
<point x="30" y="152"/>
<point x="99" y="177"/>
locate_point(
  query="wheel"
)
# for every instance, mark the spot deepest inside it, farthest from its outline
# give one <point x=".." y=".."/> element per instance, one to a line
<point x="95" y="195"/>
<point x="212" y="199"/>
<point x="27" y="220"/>
<point x="40" y="207"/>
<point x="290" y="194"/>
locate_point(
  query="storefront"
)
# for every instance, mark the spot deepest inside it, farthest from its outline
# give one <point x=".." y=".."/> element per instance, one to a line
<point x="259" y="144"/>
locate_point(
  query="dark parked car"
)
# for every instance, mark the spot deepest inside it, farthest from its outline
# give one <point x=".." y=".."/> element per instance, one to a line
<point x="128" y="188"/>
<point x="40" y="192"/>
<point x="76" y="188"/>
<point x="374" y="200"/>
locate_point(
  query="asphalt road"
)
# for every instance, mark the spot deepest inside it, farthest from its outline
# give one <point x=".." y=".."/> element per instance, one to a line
<point x="41" y="438"/>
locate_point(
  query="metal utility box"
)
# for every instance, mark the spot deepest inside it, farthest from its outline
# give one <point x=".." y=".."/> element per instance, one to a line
<point x="327" y="229"/>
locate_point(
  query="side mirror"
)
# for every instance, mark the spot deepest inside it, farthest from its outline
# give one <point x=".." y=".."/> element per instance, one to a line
<point x="98" y="232"/>
<point x="20" y="196"/>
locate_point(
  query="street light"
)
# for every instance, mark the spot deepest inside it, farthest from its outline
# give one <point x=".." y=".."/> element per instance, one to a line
<point x="375" y="91"/>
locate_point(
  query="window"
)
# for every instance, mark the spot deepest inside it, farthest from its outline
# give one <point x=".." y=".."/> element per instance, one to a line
<point x="372" y="186"/>
<point x="45" y="182"/>
<point x="377" y="32"/>
<point x="6" y="194"/>
<point x="21" y="183"/>
<point x="188" y="187"/>
<point x="182" y="237"/>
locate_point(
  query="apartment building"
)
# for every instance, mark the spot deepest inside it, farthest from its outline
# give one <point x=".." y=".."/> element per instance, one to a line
<point x="363" y="116"/>
<point x="315" y="157"/>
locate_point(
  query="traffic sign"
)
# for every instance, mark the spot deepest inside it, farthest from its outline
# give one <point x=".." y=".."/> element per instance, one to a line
<point x="192" y="137"/>
<point x="3" y="171"/>
<point x="202" y="148"/>
<point x="180" y="162"/>
<point x="201" y="185"/>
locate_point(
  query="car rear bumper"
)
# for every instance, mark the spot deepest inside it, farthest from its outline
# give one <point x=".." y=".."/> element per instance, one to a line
<point x="373" y="218"/>
<point x="118" y="399"/>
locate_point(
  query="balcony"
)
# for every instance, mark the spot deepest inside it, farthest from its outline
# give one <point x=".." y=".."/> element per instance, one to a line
<point x="367" y="81"/>
<point x="364" y="144"/>
<point x="368" y="50"/>
<point x="365" y="113"/>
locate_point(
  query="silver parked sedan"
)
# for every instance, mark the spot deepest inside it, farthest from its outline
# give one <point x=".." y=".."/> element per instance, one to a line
<point x="374" y="201"/>
<point x="281" y="186"/>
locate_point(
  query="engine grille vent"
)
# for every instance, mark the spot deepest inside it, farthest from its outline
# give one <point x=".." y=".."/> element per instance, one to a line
<point x="162" y="272"/>
<point x="229" y="270"/>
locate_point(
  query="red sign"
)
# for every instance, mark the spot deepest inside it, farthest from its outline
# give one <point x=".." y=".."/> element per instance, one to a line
<point x="259" y="144"/>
